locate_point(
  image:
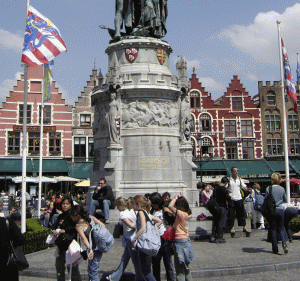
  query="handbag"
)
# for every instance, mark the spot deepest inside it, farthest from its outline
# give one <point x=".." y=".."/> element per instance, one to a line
<point x="169" y="234"/>
<point x="268" y="208"/>
<point x="63" y="241"/>
<point x="16" y="257"/>
<point x="73" y="254"/>
<point x="259" y="200"/>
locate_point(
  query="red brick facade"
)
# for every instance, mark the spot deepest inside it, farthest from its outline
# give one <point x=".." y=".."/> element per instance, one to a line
<point x="229" y="127"/>
<point x="57" y="136"/>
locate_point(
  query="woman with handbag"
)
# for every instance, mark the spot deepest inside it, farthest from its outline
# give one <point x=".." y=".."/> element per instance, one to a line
<point x="276" y="221"/>
<point x="142" y="206"/>
<point x="14" y="234"/>
<point x="183" y="254"/>
<point x="64" y="229"/>
<point x="165" y="250"/>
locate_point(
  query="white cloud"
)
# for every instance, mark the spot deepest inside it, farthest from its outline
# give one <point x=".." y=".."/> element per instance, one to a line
<point x="260" y="39"/>
<point x="69" y="98"/>
<point x="7" y="85"/>
<point x="11" y="41"/>
<point x="212" y="86"/>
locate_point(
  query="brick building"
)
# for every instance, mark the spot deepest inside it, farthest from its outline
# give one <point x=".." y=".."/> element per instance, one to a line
<point x="57" y="122"/>
<point x="228" y="128"/>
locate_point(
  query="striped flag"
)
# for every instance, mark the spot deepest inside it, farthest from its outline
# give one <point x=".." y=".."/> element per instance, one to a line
<point x="290" y="85"/>
<point x="48" y="80"/>
<point x="42" y="40"/>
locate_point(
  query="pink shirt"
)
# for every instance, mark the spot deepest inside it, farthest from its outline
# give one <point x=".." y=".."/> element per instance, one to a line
<point x="181" y="225"/>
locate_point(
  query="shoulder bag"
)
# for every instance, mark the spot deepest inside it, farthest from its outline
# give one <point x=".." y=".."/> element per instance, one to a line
<point x="16" y="257"/>
<point x="268" y="208"/>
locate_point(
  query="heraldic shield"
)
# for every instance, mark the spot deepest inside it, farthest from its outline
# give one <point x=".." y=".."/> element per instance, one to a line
<point x="131" y="54"/>
<point x="161" y="55"/>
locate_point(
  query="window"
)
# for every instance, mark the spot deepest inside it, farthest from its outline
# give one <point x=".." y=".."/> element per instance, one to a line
<point x="230" y="128"/>
<point x="91" y="147"/>
<point x="274" y="146"/>
<point x="237" y="103"/>
<point x="195" y="100"/>
<point x="248" y="149"/>
<point x="21" y="108"/>
<point x="13" y="142"/>
<point x="272" y="122"/>
<point x="79" y="147"/>
<point x="205" y="122"/>
<point x="85" y="119"/>
<point x="293" y="122"/>
<point x="55" y="143"/>
<point x="231" y="150"/>
<point x="47" y="114"/>
<point x="271" y="99"/>
<point x="206" y="147"/>
<point x="295" y="146"/>
<point x="247" y="129"/>
<point x="33" y="142"/>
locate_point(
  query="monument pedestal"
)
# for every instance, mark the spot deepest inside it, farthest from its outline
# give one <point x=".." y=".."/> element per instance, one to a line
<point x="138" y="140"/>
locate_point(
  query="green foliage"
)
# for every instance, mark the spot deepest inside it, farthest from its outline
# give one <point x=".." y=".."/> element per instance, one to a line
<point x="295" y="224"/>
<point x="33" y="226"/>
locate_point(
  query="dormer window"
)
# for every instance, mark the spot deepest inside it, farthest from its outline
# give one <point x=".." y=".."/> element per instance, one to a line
<point x="237" y="103"/>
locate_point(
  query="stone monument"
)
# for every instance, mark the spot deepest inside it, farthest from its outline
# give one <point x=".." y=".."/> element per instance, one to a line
<point x="142" y="119"/>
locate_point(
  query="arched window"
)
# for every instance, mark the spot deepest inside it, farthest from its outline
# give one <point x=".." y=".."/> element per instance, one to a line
<point x="206" y="146"/>
<point x="205" y="122"/>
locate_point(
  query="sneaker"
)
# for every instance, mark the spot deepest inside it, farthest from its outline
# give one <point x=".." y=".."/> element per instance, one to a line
<point x="285" y="249"/>
<point x="220" y="240"/>
<point x="108" y="278"/>
<point x="261" y="227"/>
<point x="107" y="222"/>
<point x="212" y="239"/>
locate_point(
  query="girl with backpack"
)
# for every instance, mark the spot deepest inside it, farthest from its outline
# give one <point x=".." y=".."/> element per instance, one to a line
<point x="165" y="250"/>
<point x="128" y="219"/>
<point x="183" y="254"/>
<point x="64" y="226"/>
<point x="84" y="227"/>
<point x="142" y="206"/>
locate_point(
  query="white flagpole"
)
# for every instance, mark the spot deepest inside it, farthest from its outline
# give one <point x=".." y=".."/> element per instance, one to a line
<point x="41" y="147"/>
<point x="285" y="136"/>
<point x="24" y="148"/>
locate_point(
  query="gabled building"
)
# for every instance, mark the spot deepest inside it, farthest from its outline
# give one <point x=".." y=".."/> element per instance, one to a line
<point x="228" y="128"/>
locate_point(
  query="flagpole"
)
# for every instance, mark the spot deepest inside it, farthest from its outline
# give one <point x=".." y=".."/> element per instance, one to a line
<point x="24" y="148"/>
<point x="41" y="147"/>
<point x="285" y="138"/>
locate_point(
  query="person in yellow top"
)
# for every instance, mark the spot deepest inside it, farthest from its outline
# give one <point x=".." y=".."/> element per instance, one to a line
<point x="183" y="255"/>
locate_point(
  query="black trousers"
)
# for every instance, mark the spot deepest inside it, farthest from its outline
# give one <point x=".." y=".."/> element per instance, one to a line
<point x="236" y="208"/>
<point x="219" y="222"/>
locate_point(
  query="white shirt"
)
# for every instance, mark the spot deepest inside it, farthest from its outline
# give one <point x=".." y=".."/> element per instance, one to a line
<point x="234" y="187"/>
<point x="162" y="228"/>
<point x="127" y="214"/>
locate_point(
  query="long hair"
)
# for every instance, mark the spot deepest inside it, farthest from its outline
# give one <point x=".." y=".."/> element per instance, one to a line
<point x="121" y="201"/>
<point x="183" y="205"/>
<point x="79" y="210"/>
<point x="157" y="199"/>
<point x="143" y="202"/>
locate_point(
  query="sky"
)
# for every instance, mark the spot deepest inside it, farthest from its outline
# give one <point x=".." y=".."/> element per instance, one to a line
<point x="220" y="38"/>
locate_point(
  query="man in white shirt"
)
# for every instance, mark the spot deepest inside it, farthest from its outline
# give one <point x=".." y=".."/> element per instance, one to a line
<point x="236" y="204"/>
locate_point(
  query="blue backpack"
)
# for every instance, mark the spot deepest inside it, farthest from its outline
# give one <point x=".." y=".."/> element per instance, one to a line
<point x="100" y="238"/>
<point x="259" y="200"/>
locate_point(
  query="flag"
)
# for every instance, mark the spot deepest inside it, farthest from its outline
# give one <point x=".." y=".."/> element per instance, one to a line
<point x="42" y="40"/>
<point x="48" y="80"/>
<point x="290" y="85"/>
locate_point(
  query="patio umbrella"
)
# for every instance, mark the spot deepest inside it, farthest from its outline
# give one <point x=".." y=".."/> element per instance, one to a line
<point x="63" y="178"/>
<point x="83" y="183"/>
<point x="33" y="179"/>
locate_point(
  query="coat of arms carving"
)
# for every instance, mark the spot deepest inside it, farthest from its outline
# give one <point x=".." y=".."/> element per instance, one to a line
<point x="161" y="55"/>
<point x="131" y="54"/>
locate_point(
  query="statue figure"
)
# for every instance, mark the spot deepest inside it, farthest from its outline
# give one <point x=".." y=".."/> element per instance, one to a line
<point x="112" y="116"/>
<point x="185" y="119"/>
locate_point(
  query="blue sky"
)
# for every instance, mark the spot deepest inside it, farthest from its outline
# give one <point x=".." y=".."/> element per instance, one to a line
<point x="220" y="38"/>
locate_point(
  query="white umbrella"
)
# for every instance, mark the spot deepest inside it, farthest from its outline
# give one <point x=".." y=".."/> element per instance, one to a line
<point x="33" y="179"/>
<point x="63" y="178"/>
<point x="83" y="183"/>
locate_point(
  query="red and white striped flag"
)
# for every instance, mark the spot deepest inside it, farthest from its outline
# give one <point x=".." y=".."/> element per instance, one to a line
<point x="290" y="85"/>
<point x="42" y="40"/>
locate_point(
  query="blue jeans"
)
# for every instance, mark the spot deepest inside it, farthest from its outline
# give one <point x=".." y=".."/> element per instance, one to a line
<point x="129" y="252"/>
<point x="93" y="266"/>
<point x="165" y="252"/>
<point x="144" y="261"/>
<point x="95" y="204"/>
<point x="277" y="227"/>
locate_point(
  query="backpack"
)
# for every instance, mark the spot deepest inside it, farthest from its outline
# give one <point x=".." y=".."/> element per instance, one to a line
<point x="100" y="237"/>
<point x="268" y="208"/>
<point x="149" y="242"/>
<point x="259" y="200"/>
